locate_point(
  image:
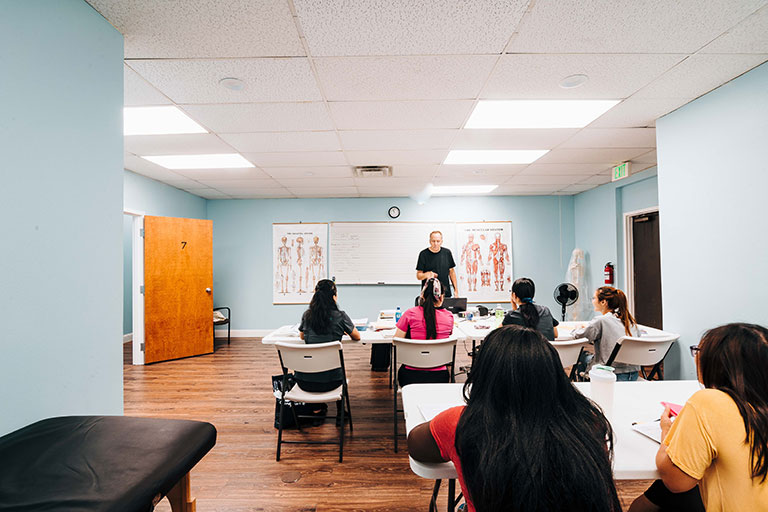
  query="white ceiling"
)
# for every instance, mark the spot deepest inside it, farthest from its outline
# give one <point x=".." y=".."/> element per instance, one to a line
<point x="330" y="84"/>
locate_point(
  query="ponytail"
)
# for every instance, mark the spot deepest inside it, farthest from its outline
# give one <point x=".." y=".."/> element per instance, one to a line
<point x="617" y="302"/>
<point x="430" y="294"/>
<point x="322" y="306"/>
<point x="525" y="289"/>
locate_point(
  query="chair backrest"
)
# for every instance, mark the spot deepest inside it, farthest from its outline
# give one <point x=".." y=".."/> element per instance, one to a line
<point x="425" y="353"/>
<point x="642" y="351"/>
<point x="310" y="358"/>
<point x="570" y="350"/>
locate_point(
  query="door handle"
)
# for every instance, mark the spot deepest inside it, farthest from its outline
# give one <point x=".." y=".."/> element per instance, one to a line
<point x="207" y="290"/>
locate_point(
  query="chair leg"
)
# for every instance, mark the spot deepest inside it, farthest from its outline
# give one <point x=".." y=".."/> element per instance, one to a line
<point x="279" y="430"/>
<point x="451" y="495"/>
<point x="394" y="414"/>
<point x="341" y="433"/>
<point x="229" y="331"/>
<point x="349" y="410"/>
<point x="433" y="500"/>
<point x="295" y="418"/>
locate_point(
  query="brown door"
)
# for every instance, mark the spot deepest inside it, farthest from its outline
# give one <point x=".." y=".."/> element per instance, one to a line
<point x="178" y="288"/>
<point x="647" y="269"/>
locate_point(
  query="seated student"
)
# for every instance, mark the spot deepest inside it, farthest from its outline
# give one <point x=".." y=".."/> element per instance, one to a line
<point x="719" y="441"/>
<point x="613" y="322"/>
<point x="527" y="439"/>
<point x="526" y="313"/>
<point x="425" y="322"/>
<point x="324" y="322"/>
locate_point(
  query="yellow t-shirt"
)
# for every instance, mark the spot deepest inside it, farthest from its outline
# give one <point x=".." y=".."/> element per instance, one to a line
<point x="707" y="442"/>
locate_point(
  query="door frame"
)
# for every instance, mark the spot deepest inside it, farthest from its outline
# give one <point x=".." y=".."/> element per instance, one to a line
<point x="629" y="260"/>
<point x="137" y="276"/>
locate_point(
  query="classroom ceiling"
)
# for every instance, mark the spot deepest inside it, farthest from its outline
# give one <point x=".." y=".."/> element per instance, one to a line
<point x="331" y="84"/>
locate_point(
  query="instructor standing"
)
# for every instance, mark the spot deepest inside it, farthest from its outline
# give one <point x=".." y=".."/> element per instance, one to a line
<point x="435" y="261"/>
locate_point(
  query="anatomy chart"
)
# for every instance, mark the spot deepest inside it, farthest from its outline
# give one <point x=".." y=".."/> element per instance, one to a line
<point x="299" y="254"/>
<point x="484" y="263"/>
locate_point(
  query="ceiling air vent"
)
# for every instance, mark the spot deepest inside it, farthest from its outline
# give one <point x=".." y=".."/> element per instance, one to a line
<point x="373" y="171"/>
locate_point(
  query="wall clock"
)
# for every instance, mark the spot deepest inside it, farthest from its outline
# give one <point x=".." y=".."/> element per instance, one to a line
<point x="394" y="212"/>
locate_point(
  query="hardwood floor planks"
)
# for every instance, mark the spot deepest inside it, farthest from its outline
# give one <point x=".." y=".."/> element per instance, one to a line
<point x="232" y="389"/>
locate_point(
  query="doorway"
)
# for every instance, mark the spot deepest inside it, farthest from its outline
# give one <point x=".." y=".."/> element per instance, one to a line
<point x="643" y="255"/>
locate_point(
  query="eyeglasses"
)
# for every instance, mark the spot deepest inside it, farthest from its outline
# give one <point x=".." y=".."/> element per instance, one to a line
<point x="694" y="350"/>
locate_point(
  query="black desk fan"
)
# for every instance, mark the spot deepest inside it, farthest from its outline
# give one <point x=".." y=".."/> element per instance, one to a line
<point x="565" y="295"/>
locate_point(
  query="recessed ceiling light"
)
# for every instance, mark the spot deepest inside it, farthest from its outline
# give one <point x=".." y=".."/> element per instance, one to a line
<point x="493" y="156"/>
<point x="573" y="81"/>
<point x="537" y="113"/>
<point x="233" y="84"/>
<point x="158" y="121"/>
<point x="461" y="190"/>
<point x="218" y="161"/>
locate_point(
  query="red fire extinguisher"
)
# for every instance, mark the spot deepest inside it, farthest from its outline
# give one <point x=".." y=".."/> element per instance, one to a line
<point x="608" y="272"/>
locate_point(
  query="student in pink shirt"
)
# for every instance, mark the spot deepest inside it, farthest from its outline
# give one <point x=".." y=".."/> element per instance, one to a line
<point x="425" y="322"/>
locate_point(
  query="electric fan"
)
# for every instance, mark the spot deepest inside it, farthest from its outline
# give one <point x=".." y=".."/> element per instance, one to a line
<point x="565" y="295"/>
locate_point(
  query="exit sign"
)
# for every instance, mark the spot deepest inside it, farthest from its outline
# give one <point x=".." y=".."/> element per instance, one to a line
<point x="620" y="171"/>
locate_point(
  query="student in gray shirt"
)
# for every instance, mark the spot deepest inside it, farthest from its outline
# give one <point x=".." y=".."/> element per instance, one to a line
<point x="526" y="313"/>
<point x="613" y="322"/>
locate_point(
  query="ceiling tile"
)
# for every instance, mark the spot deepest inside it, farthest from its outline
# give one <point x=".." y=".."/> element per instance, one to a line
<point x="627" y="26"/>
<point x="513" y="190"/>
<point x="267" y="193"/>
<point x="315" y="182"/>
<point x="597" y="179"/>
<point x="197" y="81"/>
<point x="262" y="117"/>
<point x="430" y="77"/>
<point x="147" y="168"/>
<point x="325" y="192"/>
<point x="612" y="138"/>
<point x="749" y="36"/>
<point x="476" y="180"/>
<point x="414" y="171"/>
<point x="138" y="92"/>
<point x="591" y="156"/>
<point x="529" y="179"/>
<point x="285" y="141"/>
<point x="400" y="115"/>
<point x="185" y="184"/>
<point x="294" y="159"/>
<point x="512" y="139"/>
<point x="372" y="27"/>
<point x="698" y="75"/>
<point x="180" y="28"/>
<point x="388" y="186"/>
<point x="371" y="140"/>
<point x="187" y="144"/>
<point x="435" y="156"/>
<point x="610" y="76"/>
<point x="637" y="112"/>
<point x="580" y="187"/>
<point x="472" y="171"/>
<point x="564" y="169"/>
<point x="211" y="194"/>
<point x="341" y="171"/>
<point x="251" y="184"/>
<point x="646" y="158"/>
<point x="250" y="173"/>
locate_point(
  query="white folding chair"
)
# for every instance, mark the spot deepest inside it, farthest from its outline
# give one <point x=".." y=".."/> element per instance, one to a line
<point x="569" y="352"/>
<point x="312" y="358"/>
<point x="419" y="354"/>
<point x="647" y="351"/>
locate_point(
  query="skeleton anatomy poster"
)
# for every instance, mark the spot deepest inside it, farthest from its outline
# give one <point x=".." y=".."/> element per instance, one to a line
<point x="484" y="265"/>
<point x="299" y="260"/>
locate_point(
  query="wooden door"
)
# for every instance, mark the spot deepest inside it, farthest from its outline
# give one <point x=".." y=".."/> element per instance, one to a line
<point x="178" y="288"/>
<point x="647" y="269"/>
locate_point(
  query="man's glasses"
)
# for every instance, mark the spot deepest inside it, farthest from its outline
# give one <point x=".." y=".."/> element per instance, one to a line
<point x="694" y="350"/>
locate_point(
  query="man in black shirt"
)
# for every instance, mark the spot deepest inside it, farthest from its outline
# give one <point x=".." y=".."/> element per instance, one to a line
<point x="435" y="261"/>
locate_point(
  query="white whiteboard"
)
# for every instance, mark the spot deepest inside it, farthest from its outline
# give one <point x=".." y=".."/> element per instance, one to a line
<point x="382" y="252"/>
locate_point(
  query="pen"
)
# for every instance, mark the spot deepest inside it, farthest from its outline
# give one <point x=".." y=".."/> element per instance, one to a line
<point x="636" y="422"/>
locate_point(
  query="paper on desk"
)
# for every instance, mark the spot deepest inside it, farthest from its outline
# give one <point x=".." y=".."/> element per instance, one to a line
<point x="360" y="321"/>
<point x="429" y="411"/>
<point x="650" y="429"/>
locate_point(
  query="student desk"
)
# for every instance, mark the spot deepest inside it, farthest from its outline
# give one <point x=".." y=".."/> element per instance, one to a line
<point x="287" y="334"/>
<point x="634" y="454"/>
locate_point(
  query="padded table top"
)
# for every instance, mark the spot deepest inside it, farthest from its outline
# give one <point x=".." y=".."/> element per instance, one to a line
<point x="95" y="463"/>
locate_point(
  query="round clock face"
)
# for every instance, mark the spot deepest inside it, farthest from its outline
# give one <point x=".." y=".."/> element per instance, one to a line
<point x="394" y="212"/>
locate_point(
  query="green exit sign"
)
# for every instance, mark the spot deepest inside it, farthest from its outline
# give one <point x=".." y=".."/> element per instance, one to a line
<point x="620" y="171"/>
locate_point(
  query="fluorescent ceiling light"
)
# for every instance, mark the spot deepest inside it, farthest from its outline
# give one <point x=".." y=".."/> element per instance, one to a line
<point x="493" y="156"/>
<point x="538" y="113"/>
<point x="461" y="190"/>
<point x="218" y="161"/>
<point x="158" y="121"/>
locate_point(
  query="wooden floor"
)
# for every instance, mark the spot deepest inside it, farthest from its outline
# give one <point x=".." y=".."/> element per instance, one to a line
<point x="232" y="390"/>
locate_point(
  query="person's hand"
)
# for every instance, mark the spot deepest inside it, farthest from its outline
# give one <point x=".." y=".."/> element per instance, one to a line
<point x="432" y="275"/>
<point x="665" y="422"/>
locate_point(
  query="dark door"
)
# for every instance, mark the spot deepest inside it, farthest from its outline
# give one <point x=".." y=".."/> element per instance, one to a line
<point x="647" y="269"/>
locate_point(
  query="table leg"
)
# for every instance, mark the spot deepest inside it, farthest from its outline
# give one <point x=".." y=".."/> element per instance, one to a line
<point x="180" y="496"/>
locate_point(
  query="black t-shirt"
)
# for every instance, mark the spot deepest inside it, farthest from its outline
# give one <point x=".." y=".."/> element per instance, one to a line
<point x="546" y="325"/>
<point x="439" y="262"/>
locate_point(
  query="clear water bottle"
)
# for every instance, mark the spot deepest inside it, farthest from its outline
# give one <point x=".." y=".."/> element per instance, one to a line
<point x="398" y="314"/>
<point x="499" y="313"/>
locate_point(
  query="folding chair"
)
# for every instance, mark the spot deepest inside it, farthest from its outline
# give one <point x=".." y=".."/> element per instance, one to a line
<point x="419" y="354"/>
<point x="647" y="351"/>
<point x="569" y="352"/>
<point x="225" y="321"/>
<point x="312" y="358"/>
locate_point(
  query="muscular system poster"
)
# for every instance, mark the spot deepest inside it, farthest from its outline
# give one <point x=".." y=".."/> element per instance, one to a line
<point x="484" y="263"/>
<point x="299" y="260"/>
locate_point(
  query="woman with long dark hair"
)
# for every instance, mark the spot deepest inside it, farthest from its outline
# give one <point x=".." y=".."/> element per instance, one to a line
<point x="324" y="322"/>
<point x="719" y="441"/>
<point x="527" y="440"/>
<point x="605" y="329"/>
<point x="425" y="322"/>
<point x="527" y="314"/>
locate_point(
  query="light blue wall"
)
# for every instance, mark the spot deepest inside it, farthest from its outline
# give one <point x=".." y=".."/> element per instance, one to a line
<point x="542" y="240"/>
<point x="713" y="178"/>
<point x="61" y="98"/>
<point x="152" y="198"/>
<point x="599" y="222"/>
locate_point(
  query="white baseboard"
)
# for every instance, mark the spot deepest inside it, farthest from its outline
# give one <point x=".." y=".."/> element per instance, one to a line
<point x="243" y="333"/>
<point x="127" y="338"/>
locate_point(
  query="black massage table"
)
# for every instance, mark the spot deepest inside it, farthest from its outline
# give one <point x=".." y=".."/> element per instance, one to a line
<point x="100" y="463"/>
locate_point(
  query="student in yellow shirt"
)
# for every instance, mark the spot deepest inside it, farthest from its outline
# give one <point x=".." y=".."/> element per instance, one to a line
<point x="720" y="438"/>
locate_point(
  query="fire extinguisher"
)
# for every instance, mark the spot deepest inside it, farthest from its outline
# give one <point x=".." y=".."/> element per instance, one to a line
<point x="608" y="272"/>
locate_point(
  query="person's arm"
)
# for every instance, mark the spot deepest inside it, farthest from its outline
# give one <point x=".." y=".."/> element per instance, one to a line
<point x="452" y="275"/>
<point x="674" y="478"/>
<point x="399" y="333"/>
<point x="422" y="445"/>
<point x="591" y="331"/>
<point x="554" y="329"/>
<point x="355" y="334"/>
<point x="422" y="275"/>
<point x="301" y="334"/>
<point x="348" y="326"/>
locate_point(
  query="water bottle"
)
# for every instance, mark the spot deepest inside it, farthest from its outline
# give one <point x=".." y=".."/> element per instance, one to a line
<point x="499" y="311"/>
<point x="602" y="382"/>
<point x="398" y="314"/>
